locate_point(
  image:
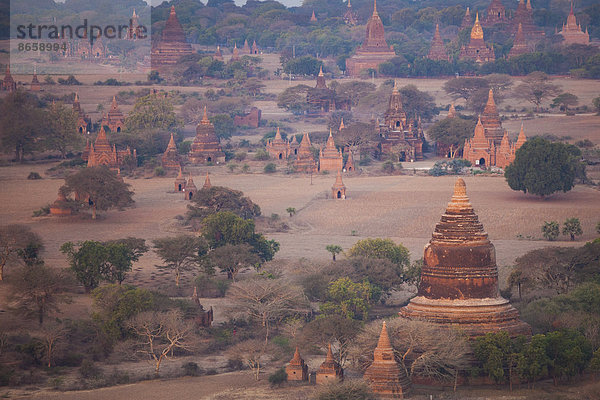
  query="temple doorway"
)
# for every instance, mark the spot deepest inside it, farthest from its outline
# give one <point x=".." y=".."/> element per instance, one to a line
<point x="208" y="159"/>
<point x="339" y="194"/>
<point x="280" y="156"/>
<point x="179" y="187"/>
<point x="482" y="162"/>
<point x="118" y="129"/>
<point x="190" y="195"/>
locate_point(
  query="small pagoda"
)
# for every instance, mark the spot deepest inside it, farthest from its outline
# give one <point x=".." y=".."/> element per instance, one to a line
<point x="338" y="190"/>
<point x="459" y="277"/>
<point x="438" y="52"/>
<point x="496" y="14"/>
<point x="330" y="370"/>
<point x="278" y="148"/>
<point x="305" y="160"/>
<point x="350" y="17"/>
<point x="180" y="181"/>
<point x="8" y="83"/>
<point x="349" y="166"/>
<point x="467" y="20"/>
<point x="170" y="158"/>
<point x="384" y="376"/>
<point x="207" y="185"/>
<point x="572" y="32"/>
<point x="114" y="119"/>
<point x="206" y="147"/>
<point x="235" y="54"/>
<point x="374" y="50"/>
<point x="477" y="50"/>
<point x="218" y="56"/>
<point x="83" y="120"/>
<point x="35" y="86"/>
<point x="190" y="189"/>
<point x="254" y="50"/>
<point x="60" y="208"/>
<point x="520" y="46"/>
<point x="297" y="370"/>
<point x="246" y="48"/>
<point x="172" y="45"/>
<point x="330" y="158"/>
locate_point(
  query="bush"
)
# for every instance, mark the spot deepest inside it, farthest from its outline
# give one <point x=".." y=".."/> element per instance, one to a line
<point x="365" y="160"/>
<point x="191" y="369"/>
<point x="347" y="390"/>
<point x="33" y="176"/>
<point x="42" y="211"/>
<point x="159" y="171"/>
<point x="388" y="167"/>
<point x="278" y="377"/>
<point x="117" y="378"/>
<point x="270" y="168"/>
<point x="240" y="156"/>
<point x="89" y="370"/>
<point x="261" y="155"/>
<point x="550" y="230"/>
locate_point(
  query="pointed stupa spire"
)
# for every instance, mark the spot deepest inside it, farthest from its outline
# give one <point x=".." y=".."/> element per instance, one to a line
<point x="384" y="339"/>
<point x="338" y="179"/>
<point x="329" y="356"/>
<point x="375" y="8"/>
<point x="205" y="120"/>
<point x="490" y="107"/>
<point x="341" y="125"/>
<point x="395" y="89"/>
<point x="313" y="17"/>
<point x="76" y="98"/>
<point x="477" y="31"/>
<point x="171" y="144"/>
<point x="180" y="174"/>
<point x="114" y="103"/>
<point x="207" y="184"/>
<point x="278" y="135"/>
<point x="451" y="111"/>
<point x="321" y="70"/>
<point x="529" y="5"/>
<point x="296" y="360"/>
<point x="521" y="139"/>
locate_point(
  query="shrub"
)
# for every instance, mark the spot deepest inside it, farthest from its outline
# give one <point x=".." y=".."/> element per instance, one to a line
<point x="89" y="370"/>
<point x="159" y="171"/>
<point x="191" y="369"/>
<point x="240" y="156"/>
<point x="347" y="390"/>
<point x="365" y="160"/>
<point x="42" y="211"/>
<point x="278" y="377"/>
<point x="261" y="155"/>
<point x="550" y="230"/>
<point x="388" y="167"/>
<point x="270" y="168"/>
<point x="33" y="176"/>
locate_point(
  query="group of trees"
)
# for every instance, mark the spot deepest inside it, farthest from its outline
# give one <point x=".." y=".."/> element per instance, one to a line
<point x="571" y="227"/>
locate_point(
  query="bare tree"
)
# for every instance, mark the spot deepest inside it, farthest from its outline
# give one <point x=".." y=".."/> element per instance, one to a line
<point x="14" y="239"/>
<point x="160" y="333"/>
<point x="253" y="353"/>
<point x="51" y="337"/>
<point x="536" y="87"/>
<point x="422" y="348"/>
<point x="267" y="300"/>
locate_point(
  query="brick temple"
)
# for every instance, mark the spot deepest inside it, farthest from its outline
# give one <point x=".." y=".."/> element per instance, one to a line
<point x="305" y="160"/>
<point x="459" y="277"/>
<point x="384" y="376"/>
<point x="172" y="44"/>
<point x="278" y="148"/>
<point x="330" y="370"/>
<point x="114" y="118"/>
<point x="495" y="14"/>
<point x="102" y="153"/>
<point x="83" y="121"/>
<point x="297" y="370"/>
<point x="437" y="51"/>
<point x="481" y="151"/>
<point x="170" y="159"/>
<point x="8" y="83"/>
<point x="338" y="190"/>
<point x="477" y="50"/>
<point x="467" y="21"/>
<point x="520" y="45"/>
<point x="330" y="158"/>
<point x="572" y="32"/>
<point x="206" y="146"/>
<point x="374" y="49"/>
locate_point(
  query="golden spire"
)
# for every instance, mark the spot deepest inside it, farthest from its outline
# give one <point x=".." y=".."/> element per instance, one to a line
<point x="477" y="31"/>
<point x="205" y="120"/>
<point x="171" y="144"/>
<point x="375" y="8"/>
<point x="341" y="125"/>
<point x="321" y="71"/>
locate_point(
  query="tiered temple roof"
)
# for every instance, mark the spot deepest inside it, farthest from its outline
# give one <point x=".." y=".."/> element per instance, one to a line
<point x="330" y="158"/>
<point x="278" y="148"/>
<point x="207" y="184"/>
<point x="170" y="158"/>
<point x="8" y="83"/>
<point x="82" y="120"/>
<point x="520" y="46"/>
<point x="297" y="370"/>
<point x="180" y="181"/>
<point x="496" y="14"/>
<point x="491" y="120"/>
<point x="350" y="17"/>
<point x="338" y="190"/>
<point x="206" y="146"/>
<point x="172" y="45"/>
<point x="114" y="119"/>
<point x="102" y="153"/>
<point x="467" y="20"/>
<point x="330" y="370"/>
<point x="305" y="160"/>
<point x="477" y="50"/>
<point x="384" y="375"/>
<point x="459" y="278"/>
<point x="524" y="16"/>
<point x="438" y="51"/>
<point x="572" y="32"/>
<point x="374" y="49"/>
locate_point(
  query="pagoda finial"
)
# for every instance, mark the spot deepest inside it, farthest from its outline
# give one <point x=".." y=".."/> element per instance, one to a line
<point x="395" y="90"/>
<point x="329" y="352"/>
<point x="277" y="135"/>
<point x="76" y="98"/>
<point x="342" y="124"/>
<point x="205" y="120"/>
<point x="571" y="13"/>
<point x="172" y="10"/>
<point x="375" y="8"/>
<point x="207" y="184"/>
<point x="171" y="144"/>
<point x="321" y="71"/>
<point x="384" y="338"/>
<point x="468" y="12"/>
<point x="114" y="102"/>
<point x="460" y="188"/>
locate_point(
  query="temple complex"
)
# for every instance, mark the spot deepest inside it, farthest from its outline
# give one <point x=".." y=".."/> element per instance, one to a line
<point x="524" y="16"/>
<point x="190" y="189"/>
<point x="278" y="148"/>
<point x="330" y="370"/>
<point x="8" y="83"/>
<point x="172" y="44"/>
<point x="350" y="17"/>
<point x="496" y="14"/>
<point x="218" y="56"/>
<point x="170" y="158"/>
<point x="330" y="158"/>
<point x="477" y="50"/>
<point x="83" y="120"/>
<point x="459" y="277"/>
<point x="482" y="151"/>
<point x="305" y="160"/>
<point x="297" y="370"/>
<point x="520" y="46"/>
<point x="102" y="153"/>
<point x="438" y="51"/>
<point x="374" y="49"/>
<point x="384" y="376"/>
<point x="338" y="190"/>
<point x="180" y="181"/>
<point x="467" y="20"/>
<point x="114" y="119"/>
<point x="572" y="32"/>
<point x="398" y="132"/>
<point x="206" y="146"/>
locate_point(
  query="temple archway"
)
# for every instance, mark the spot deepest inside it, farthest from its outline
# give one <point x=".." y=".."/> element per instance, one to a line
<point x="280" y="156"/>
<point x="339" y="194"/>
<point x="190" y="195"/>
<point x="208" y="159"/>
<point x="179" y="187"/>
<point x="482" y="162"/>
<point x="118" y="129"/>
<point x="80" y="129"/>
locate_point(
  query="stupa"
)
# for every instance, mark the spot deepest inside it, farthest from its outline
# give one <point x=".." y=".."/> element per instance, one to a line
<point x="170" y="158"/>
<point x="8" y="83"/>
<point x="330" y="370"/>
<point x="218" y="56"/>
<point x="179" y="181"/>
<point x="520" y="46"/>
<point x="278" y="148"/>
<point x="467" y="20"/>
<point x="82" y="119"/>
<point x="206" y="146"/>
<point x="305" y="160"/>
<point x="438" y="52"/>
<point x="349" y="166"/>
<point x="459" y="277"/>
<point x="190" y="189"/>
<point x="114" y="119"/>
<point x="207" y="184"/>
<point x="350" y="17"/>
<point x="297" y="370"/>
<point x="35" y="86"/>
<point x="338" y="190"/>
<point x="491" y="120"/>
<point x="246" y="48"/>
<point x="477" y="50"/>
<point x="330" y="158"/>
<point x="254" y="49"/>
<point x="524" y="16"/>
<point x="172" y="45"/>
<point x="59" y="207"/>
<point x="374" y="49"/>
<point x="384" y="376"/>
<point x="496" y="14"/>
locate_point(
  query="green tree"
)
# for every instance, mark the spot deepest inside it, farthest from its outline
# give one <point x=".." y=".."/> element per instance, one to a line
<point x="564" y="101"/>
<point x="451" y="132"/>
<point x="180" y="253"/>
<point x="306" y="65"/>
<point x="120" y="258"/>
<point x="88" y="261"/>
<point x="499" y="355"/>
<point x="465" y="88"/>
<point x="100" y="187"/>
<point x="353" y="91"/>
<point x="542" y="168"/>
<point x="36" y="291"/>
<point x="224" y="126"/>
<point x="381" y="249"/>
<point x="532" y="362"/>
<point x="17" y="243"/>
<point x="572" y="227"/>
<point x="417" y="103"/>
<point x="217" y="199"/>
<point x="270" y="168"/>
<point x="292" y="211"/>
<point x="596" y="104"/>
<point x="254" y="86"/>
<point x="231" y="258"/>
<point x="334" y="249"/>
<point x="21" y="123"/>
<point x="62" y="134"/>
<point x="569" y="353"/>
<point x="550" y="230"/>
<point x="349" y="299"/>
<point x="151" y="113"/>
<point x="293" y="99"/>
